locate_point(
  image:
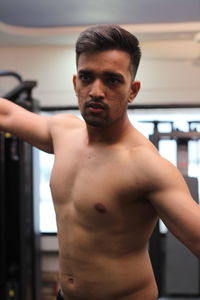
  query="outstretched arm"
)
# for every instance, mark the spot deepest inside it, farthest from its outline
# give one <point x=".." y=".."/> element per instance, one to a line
<point x="174" y="204"/>
<point x="31" y="127"/>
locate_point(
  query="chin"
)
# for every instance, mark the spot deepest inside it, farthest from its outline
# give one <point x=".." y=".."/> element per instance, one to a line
<point x="95" y="123"/>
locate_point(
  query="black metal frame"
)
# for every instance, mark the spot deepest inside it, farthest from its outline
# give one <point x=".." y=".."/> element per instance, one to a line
<point x="19" y="233"/>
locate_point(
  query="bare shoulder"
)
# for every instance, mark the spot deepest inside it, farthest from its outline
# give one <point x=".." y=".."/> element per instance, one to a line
<point x="65" y="122"/>
<point x="158" y="172"/>
<point x="149" y="161"/>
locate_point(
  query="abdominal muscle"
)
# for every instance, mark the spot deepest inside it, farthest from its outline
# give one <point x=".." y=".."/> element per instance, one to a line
<point x="87" y="272"/>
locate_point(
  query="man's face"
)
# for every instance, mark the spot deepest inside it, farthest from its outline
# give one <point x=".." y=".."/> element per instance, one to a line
<point x="104" y="86"/>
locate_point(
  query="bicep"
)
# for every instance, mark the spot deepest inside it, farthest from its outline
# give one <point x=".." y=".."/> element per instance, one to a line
<point x="175" y="206"/>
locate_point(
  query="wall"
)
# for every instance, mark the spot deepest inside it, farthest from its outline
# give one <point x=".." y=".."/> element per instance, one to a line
<point x="52" y="67"/>
<point x="165" y="80"/>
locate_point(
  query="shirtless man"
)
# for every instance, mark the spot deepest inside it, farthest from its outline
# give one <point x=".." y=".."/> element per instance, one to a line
<point x="109" y="184"/>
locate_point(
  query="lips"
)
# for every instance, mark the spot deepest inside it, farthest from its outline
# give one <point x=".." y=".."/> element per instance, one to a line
<point x="95" y="107"/>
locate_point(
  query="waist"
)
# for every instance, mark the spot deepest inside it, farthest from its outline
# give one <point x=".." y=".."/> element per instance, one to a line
<point x="107" y="278"/>
<point x="149" y="292"/>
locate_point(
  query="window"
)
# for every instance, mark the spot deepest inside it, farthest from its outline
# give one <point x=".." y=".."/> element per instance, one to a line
<point x="142" y="119"/>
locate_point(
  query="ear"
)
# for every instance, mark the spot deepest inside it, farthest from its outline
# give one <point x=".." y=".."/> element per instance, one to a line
<point x="74" y="81"/>
<point x="135" y="87"/>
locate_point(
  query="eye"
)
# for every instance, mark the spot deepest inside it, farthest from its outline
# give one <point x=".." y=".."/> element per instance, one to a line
<point x="113" y="81"/>
<point x="85" y="78"/>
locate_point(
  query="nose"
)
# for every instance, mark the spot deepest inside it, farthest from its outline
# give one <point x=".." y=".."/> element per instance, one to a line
<point x="97" y="89"/>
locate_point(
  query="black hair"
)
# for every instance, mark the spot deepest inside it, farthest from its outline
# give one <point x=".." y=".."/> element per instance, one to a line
<point x="109" y="37"/>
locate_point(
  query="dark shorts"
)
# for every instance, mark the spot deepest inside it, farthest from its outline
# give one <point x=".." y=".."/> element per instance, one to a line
<point x="60" y="296"/>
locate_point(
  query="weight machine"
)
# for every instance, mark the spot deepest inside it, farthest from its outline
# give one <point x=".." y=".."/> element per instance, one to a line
<point x="19" y="212"/>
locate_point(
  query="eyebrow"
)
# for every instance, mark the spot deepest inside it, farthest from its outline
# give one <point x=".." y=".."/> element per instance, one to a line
<point x="105" y="73"/>
<point x="114" y="74"/>
<point x="84" y="71"/>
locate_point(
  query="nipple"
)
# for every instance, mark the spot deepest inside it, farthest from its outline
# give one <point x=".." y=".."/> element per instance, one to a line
<point x="100" y="208"/>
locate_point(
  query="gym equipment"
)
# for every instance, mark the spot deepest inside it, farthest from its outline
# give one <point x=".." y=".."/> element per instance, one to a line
<point x="19" y="221"/>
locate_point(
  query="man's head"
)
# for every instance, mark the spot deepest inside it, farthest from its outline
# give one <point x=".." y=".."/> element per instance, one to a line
<point x="109" y="37"/>
<point x="107" y="61"/>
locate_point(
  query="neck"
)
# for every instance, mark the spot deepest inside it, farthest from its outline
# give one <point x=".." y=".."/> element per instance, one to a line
<point x="110" y="134"/>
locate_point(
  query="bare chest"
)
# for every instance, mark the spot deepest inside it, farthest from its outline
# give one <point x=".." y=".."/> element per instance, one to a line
<point x="95" y="182"/>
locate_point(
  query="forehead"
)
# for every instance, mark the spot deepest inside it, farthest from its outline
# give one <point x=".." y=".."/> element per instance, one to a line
<point x="111" y="60"/>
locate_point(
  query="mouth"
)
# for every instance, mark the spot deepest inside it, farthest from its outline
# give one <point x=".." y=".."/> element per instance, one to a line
<point x="95" y="107"/>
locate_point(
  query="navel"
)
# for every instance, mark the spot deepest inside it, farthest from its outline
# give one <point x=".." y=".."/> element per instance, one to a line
<point x="100" y="208"/>
<point x="71" y="280"/>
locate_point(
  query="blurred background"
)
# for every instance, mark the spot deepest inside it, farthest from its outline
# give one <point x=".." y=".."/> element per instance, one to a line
<point x="37" y="62"/>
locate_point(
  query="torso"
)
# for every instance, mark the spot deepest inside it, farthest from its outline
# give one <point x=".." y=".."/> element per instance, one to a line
<point x="104" y="221"/>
